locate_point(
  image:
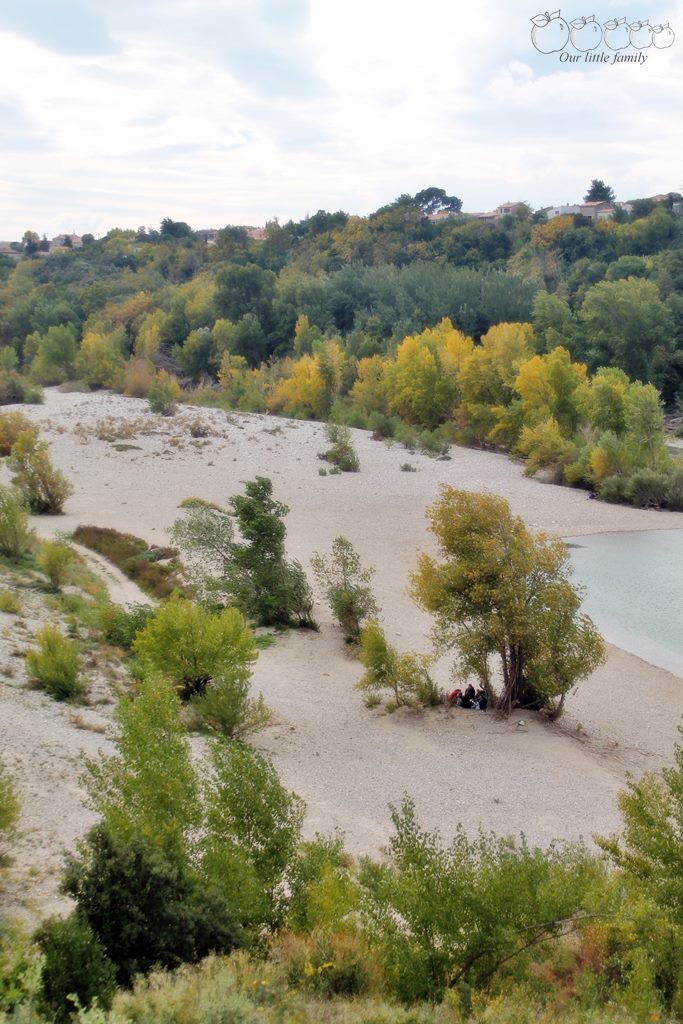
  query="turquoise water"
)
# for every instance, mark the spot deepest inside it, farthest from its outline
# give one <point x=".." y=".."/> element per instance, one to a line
<point x="634" y="591"/>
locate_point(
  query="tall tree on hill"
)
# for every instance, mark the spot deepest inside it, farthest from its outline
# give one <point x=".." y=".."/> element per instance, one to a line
<point x="599" y="192"/>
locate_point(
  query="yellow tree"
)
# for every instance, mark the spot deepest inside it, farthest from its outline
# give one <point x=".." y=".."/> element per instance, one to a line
<point x="499" y="592"/>
<point x="417" y="387"/>
<point x="369" y="389"/>
<point x="488" y="375"/>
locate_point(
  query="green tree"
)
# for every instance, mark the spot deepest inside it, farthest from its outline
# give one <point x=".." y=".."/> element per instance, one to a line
<point x="599" y="192"/>
<point x="205" y="537"/>
<point x="503" y="592"/>
<point x="253" y="832"/>
<point x="650" y="848"/>
<point x="447" y="915"/>
<point x="55" y="354"/>
<point x="627" y="324"/>
<point x="432" y="200"/>
<point x="75" y="969"/>
<point x="145" y="905"/>
<point x="346" y="585"/>
<point x="148" y="788"/>
<point x="191" y="646"/>
<point x="258" y="577"/>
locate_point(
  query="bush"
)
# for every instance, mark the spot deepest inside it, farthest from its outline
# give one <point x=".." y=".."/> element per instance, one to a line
<point x="406" y="675"/>
<point x="225" y="707"/>
<point x="11" y="425"/>
<point x="134" y="558"/>
<point x="342" y="454"/>
<point x="16" y="537"/>
<point x="121" y="625"/>
<point x="346" y="586"/>
<point x="9" y="603"/>
<point x="12" y="387"/>
<point x="191" y="646"/>
<point x="164" y="394"/>
<point x="55" y="560"/>
<point x="44" y="487"/>
<point x="614" y="489"/>
<point x="9" y="804"/>
<point x="75" y="969"/>
<point x="56" y="665"/>
<point x="145" y="905"/>
<point x="138" y="377"/>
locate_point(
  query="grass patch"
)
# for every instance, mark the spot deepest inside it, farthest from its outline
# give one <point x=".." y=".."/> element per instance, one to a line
<point x="9" y="603"/>
<point x="155" y="570"/>
<point x="193" y="502"/>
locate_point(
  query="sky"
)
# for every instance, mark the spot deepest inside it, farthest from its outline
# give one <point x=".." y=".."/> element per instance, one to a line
<point x="118" y="113"/>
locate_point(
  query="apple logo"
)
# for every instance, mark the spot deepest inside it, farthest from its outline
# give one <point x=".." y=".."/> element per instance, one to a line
<point x="641" y="34"/>
<point x="663" y="36"/>
<point x="586" y="34"/>
<point x="550" y="32"/>
<point x="617" y="34"/>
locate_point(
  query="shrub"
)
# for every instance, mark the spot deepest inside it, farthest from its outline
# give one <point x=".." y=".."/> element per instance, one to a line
<point x="134" y="558"/>
<point x="11" y="425"/>
<point x="191" y="646"/>
<point x="75" y="969"/>
<point x="346" y="586"/>
<point x="12" y="387"/>
<point x="55" y="560"/>
<point x="9" y="804"/>
<point x="406" y="675"/>
<point x="407" y="467"/>
<point x="199" y="429"/>
<point x="9" y="603"/>
<point x="45" y="488"/>
<point x="164" y="394"/>
<point x="138" y="377"/>
<point x="193" y="502"/>
<point x="16" y="537"/>
<point x="145" y="905"/>
<point x="342" y="454"/>
<point x="121" y="625"/>
<point x="225" y="707"/>
<point x="647" y="488"/>
<point x="613" y="489"/>
<point x="56" y="664"/>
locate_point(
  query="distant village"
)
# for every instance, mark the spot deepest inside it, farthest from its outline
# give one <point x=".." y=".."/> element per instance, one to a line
<point x="594" y="210"/>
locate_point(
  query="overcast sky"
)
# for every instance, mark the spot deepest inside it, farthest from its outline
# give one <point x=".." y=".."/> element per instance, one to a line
<point x="122" y="112"/>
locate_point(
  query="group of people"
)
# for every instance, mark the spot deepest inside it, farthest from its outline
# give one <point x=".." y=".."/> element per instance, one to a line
<point x="470" y="698"/>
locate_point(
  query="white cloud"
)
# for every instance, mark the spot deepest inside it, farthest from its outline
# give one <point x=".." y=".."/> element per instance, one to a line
<point x="391" y="98"/>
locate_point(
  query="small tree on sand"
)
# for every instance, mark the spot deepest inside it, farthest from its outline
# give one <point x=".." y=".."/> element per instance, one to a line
<point x="44" y="487"/>
<point x="502" y="592"/>
<point x="253" y="573"/>
<point x="346" y="585"/>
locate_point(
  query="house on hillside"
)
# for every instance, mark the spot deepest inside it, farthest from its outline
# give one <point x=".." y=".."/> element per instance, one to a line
<point x="60" y="242"/>
<point x="6" y="249"/>
<point x="594" y="210"/>
<point x="504" y="210"/>
<point x="598" y="209"/>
